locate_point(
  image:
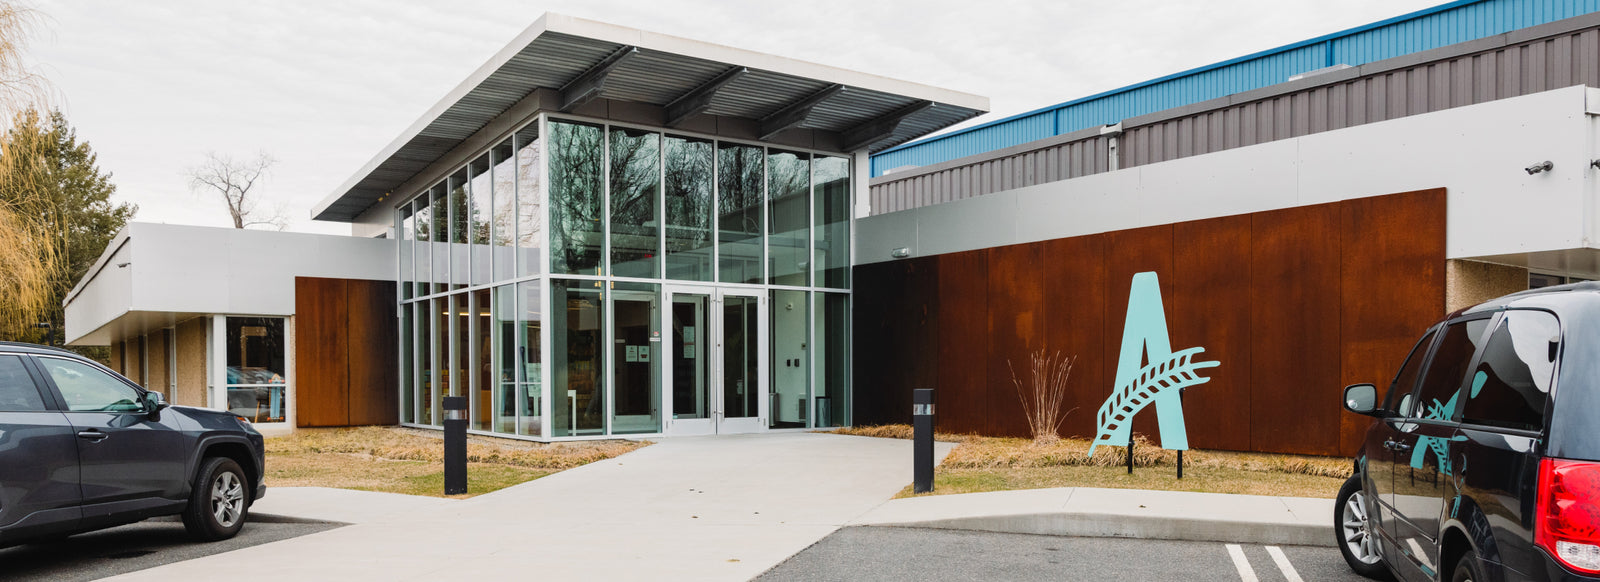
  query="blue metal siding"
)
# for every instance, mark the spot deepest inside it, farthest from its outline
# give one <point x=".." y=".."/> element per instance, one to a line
<point x="1431" y="28"/>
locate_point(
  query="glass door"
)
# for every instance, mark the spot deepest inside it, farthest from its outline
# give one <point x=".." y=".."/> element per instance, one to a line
<point x="716" y="365"/>
<point x="635" y="401"/>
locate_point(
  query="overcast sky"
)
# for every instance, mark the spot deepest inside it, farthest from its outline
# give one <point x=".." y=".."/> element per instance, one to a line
<point x="323" y="85"/>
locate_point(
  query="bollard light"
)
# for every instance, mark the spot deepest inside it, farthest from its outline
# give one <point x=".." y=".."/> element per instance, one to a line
<point x="455" y="445"/>
<point x="922" y="439"/>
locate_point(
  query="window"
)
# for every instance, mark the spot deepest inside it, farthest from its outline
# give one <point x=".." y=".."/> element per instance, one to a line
<point x="1400" y="391"/>
<point x="1439" y="397"/>
<point x="17" y="390"/>
<point x="1508" y="389"/>
<point x="788" y="214"/>
<point x="87" y="388"/>
<point x="576" y="187"/>
<point x="256" y="369"/>
<point x="635" y="183"/>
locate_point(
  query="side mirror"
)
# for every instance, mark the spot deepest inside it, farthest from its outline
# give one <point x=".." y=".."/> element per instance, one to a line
<point x="154" y="401"/>
<point x="1362" y="399"/>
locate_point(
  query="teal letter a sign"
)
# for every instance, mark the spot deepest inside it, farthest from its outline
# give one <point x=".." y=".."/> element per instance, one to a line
<point x="1160" y="382"/>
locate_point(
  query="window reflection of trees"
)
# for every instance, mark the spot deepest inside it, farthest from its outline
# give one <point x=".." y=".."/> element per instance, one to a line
<point x="575" y="187"/>
<point x="530" y="231"/>
<point x="688" y="207"/>
<point x="739" y="176"/>
<point x="635" y="179"/>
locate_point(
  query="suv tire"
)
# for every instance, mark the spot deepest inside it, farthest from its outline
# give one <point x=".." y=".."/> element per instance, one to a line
<point x="1467" y="569"/>
<point x="1356" y="536"/>
<point x="218" y="502"/>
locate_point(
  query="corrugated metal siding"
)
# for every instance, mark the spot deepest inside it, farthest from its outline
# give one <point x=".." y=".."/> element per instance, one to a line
<point x="1049" y="164"/>
<point x="1428" y="29"/>
<point x="1509" y="71"/>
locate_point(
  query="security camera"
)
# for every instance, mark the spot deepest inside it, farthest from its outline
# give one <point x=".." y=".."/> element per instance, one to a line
<point x="1544" y="166"/>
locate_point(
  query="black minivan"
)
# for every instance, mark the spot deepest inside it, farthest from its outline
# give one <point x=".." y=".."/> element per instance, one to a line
<point x="1483" y="462"/>
<point x="82" y="448"/>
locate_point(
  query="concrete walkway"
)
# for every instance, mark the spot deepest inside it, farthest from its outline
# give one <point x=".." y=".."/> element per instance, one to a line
<point x="1131" y="513"/>
<point x="707" y="508"/>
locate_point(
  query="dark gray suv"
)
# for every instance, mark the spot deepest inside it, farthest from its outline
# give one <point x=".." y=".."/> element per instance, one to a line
<point x="82" y="448"/>
<point x="1483" y="461"/>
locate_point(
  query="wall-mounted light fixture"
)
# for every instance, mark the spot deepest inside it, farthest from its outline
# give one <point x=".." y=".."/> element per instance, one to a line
<point x="900" y="253"/>
<point x="1544" y="166"/>
<point x="123" y="265"/>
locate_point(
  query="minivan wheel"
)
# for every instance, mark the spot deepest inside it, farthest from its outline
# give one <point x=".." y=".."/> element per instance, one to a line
<point x="218" y="502"/>
<point x="1357" y="539"/>
<point x="1467" y="569"/>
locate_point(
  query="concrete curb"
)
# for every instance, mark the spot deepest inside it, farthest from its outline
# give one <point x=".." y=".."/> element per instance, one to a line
<point x="1128" y="526"/>
<point x="1119" y="513"/>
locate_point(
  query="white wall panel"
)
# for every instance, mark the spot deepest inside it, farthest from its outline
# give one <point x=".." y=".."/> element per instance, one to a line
<point x="1477" y="153"/>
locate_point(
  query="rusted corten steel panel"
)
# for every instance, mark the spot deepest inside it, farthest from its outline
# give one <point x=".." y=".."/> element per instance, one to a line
<point x="1294" y="307"/>
<point x="1294" y="303"/>
<point x="900" y="326"/>
<point x="962" y="358"/>
<point x="1392" y="287"/>
<point x="1017" y="326"/>
<point x="1210" y="307"/>
<point x="321" y="352"/>
<point x="344" y="346"/>
<point x="1455" y="76"/>
<point x="373" y="331"/>
<point x="1075" y="312"/>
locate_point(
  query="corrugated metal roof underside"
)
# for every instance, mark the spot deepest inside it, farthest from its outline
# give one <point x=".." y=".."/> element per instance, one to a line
<point x="1428" y="29"/>
<point x="553" y="60"/>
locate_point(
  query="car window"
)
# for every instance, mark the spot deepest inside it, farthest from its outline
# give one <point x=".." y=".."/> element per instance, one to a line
<point x="18" y="393"/>
<point x="1399" y="399"/>
<point x="1509" y="387"/>
<point x="88" y="388"/>
<point x="1439" y="395"/>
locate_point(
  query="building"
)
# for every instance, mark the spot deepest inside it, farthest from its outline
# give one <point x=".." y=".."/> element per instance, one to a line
<point x="667" y="223"/>
<point x="605" y="231"/>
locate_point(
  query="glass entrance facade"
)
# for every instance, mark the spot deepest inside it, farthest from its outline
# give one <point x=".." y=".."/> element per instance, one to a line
<point x="534" y="281"/>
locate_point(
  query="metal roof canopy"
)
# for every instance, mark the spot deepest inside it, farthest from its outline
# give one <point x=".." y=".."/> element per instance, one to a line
<point x="584" y="59"/>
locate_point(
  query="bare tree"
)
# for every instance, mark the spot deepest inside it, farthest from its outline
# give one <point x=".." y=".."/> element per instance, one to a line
<point x="234" y="181"/>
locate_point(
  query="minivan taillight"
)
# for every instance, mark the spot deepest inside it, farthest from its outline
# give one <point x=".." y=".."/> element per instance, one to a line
<point x="1568" y="522"/>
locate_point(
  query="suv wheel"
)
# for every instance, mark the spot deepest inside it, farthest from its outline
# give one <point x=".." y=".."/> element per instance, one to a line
<point x="1467" y="569"/>
<point x="218" y="502"/>
<point x="1357" y="540"/>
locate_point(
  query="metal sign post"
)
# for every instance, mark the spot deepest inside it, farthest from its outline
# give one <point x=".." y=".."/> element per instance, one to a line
<point x="455" y="445"/>
<point x="922" y="439"/>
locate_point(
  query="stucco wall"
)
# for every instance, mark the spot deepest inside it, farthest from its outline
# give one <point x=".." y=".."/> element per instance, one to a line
<point x="191" y="344"/>
<point x="133" y="359"/>
<point x="159" y="374"/>
<point x="116" y="358"/>
<point x="1468" y="283"/>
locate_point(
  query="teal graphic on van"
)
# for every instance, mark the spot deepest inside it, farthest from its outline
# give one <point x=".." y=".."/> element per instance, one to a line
<point x="1144" y="338"/>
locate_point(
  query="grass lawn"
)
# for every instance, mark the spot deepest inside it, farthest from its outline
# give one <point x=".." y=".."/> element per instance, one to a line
<point x="411" y="461"/>
<point x="1002" y="464"/>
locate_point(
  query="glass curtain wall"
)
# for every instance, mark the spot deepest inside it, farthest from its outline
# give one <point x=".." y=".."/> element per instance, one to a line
<point x="628" y="210"/>
<point x="463" y="330"/>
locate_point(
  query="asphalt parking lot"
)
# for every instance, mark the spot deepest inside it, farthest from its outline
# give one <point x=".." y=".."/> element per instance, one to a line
<point x="893" y="553"/>
<point x="133" y="547"/>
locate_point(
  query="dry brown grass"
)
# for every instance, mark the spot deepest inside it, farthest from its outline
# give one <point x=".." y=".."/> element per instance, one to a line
<point x="403" y="460"/>
<point x="993" y="463"/>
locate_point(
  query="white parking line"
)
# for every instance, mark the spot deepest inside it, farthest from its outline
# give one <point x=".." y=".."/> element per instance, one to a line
<point x="1283" y="564"/>
<point x="1242" y="564"/>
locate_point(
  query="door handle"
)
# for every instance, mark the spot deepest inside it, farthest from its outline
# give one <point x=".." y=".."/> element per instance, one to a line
<point x="92" y="435"/>
<point x="1396" y="446"/>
